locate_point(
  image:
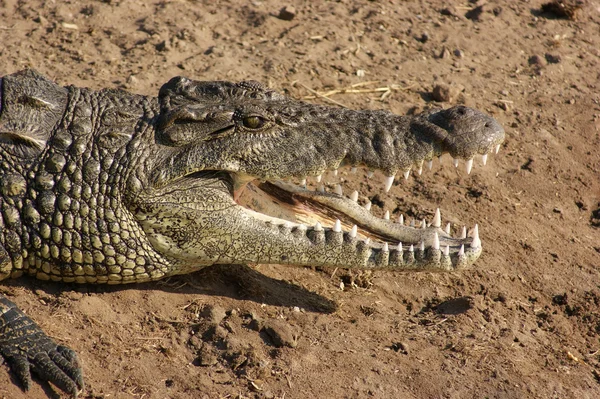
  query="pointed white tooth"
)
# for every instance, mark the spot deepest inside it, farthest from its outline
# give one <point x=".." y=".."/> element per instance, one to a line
<point x="455" y="162"/>
<point x="370" y="174"/>
<point x="353" y="231"/>
<point x="368" y="205"/>
<point x="447" y="250"/>
<point x="338" y="189"/>
<point x="318" y="178"/>
<point x="321" y="188"/>
<point x="411" y="248"/>
<point x="469" y="166"/>
<point x="354" y="196"/>
<point x="484" y="159"/>
<point x="437" y="218"/>
<point x="401" y="219"/>
<point x="337" y="227"/>
<point x="388" y="181"/>
<point x="447" y="230"/>
<point x="436" y="241"/>
<point x="463" y="234"/>
<point x="497" y="148"/>
<point x="385" y="247"/>
<point x="318" y="227"/>
<point x="420" y="170"/>
<point x="387" y="215"/>
<point x="353" y="170"/>
<point x="302" y="226"/>
<point x="335" y="172"/>
<point x="462" y="250"/>
<point x="422" y="246"/>
<point x="423" y="224"/>
<point x="476" y="243"/>
<point x="399" y="247"/>
<point x="430" y="164"/>
<point x="368" y="241"/>
<point x="303" y="181"/>
<point x="406" y="174"/>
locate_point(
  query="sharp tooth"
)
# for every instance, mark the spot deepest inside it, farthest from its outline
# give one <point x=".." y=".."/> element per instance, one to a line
<point x="367" y="241"/>
<point x="401" y="219"/>
<point x="318" y="178"/>
<point x="447" y="230"/>
<point x="437" y="219"/>
<point x="335" y="172"/>
<point x="387" y="215"/>
<point x="447" y="250"/>
<point x="354" y="196"/>
<point x="420" y="167"/>
<point x="406" y="174"/>
<point x="423" y="224"/>
<point x="337" y="227"/>
<point x="411" y="248"/>
<point x="302" y="227"/>
<point x="318" y="227"/>
<point x="368" y="206"/>
<point x="436" y="241"/>
<point x="321" y="188"/>
<point x="476" y="243"/>
<point x="385" y="247"/>
<point x="462" y="250"/>
<point x="399" y="247"/>
<point x="422" y="246"/>
<point x="389" y="180"/>
<point x="430" y="164"/>
<point x="469" y="166"/>
<point x="353" y="170"/>
<point x="455" y="162"/>
<point x="463" y="234"/>
<point x="484" y="159"/>
<point x="497" y="148"/>
<point x="303" y="181"/>
<point x="370" y="174"/>
<point x="353" y="231"/>
<point x="338" y="189"/>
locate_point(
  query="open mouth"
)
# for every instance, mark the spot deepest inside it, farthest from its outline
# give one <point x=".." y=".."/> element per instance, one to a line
<point x="321" y="203"/>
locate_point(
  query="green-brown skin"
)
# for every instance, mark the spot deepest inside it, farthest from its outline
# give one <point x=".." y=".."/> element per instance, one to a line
<point x="110" y="187"/>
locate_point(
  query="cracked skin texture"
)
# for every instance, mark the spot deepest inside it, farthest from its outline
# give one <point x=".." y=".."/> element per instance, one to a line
<point x="111" y="187"/>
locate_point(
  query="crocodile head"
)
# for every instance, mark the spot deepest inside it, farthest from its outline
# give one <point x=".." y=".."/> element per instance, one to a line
<point x="216" y="190"/>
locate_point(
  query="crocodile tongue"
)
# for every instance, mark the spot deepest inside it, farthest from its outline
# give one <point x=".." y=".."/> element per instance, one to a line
<point x="295" y="204"/>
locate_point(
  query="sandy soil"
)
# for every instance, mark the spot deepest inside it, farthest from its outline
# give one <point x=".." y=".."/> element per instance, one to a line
<point x="524" y="323"/>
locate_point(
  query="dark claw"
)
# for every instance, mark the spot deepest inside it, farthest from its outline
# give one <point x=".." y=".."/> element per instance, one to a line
<point x="26" y="348"/>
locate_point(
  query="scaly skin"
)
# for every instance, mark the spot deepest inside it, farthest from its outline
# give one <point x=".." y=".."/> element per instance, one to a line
<point x="110" y="187"/>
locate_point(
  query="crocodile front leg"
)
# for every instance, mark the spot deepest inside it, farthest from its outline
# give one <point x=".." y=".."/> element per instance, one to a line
<point x="25" y="348"/>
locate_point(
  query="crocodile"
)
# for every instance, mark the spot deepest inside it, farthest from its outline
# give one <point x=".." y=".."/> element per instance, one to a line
<point x="109" y="187"/>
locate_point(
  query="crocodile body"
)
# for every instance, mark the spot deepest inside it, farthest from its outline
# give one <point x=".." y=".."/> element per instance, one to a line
<point x="112" y="187"/>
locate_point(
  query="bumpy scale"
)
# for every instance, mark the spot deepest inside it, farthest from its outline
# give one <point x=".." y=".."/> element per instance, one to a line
<point x="111" y="187"/>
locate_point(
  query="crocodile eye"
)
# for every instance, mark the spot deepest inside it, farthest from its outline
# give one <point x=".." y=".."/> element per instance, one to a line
<point x="253" y="122"/>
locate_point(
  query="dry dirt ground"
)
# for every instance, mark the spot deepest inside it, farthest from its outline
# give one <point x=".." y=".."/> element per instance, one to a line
<point x="524" y="323"/>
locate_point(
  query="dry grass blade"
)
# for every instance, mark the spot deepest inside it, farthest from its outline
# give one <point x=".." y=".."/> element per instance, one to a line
<point x="357" y="88"/>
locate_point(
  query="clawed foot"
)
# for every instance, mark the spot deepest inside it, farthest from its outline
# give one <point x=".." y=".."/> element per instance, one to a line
<point x="25" y="348"/>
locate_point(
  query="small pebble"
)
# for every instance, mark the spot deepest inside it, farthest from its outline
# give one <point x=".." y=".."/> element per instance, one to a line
<point x="441" y="93"/>
<point x="537" y="61"/>
<point x="281" y="333"/>
<point x="459" y="53"/>
<point x="287" y="13"/>
<point x="553" y="58"/>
